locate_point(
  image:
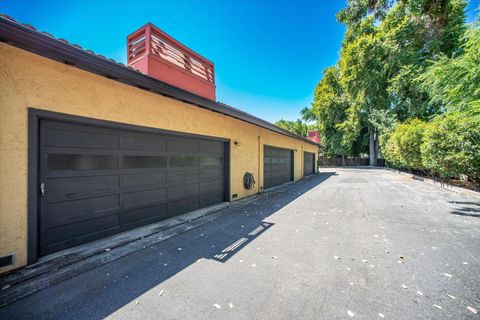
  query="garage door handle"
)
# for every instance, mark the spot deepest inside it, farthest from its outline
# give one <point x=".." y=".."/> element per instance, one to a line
<point x="42" y="189"/>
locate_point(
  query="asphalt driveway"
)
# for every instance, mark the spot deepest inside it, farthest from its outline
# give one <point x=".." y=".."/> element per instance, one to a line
<point x="347" y="243"/>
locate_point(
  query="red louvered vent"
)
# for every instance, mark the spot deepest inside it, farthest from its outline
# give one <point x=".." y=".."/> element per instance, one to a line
<point x="158" y="55"/>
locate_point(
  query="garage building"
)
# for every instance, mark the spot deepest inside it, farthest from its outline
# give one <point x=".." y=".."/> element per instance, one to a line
<point x="90" y="147"/>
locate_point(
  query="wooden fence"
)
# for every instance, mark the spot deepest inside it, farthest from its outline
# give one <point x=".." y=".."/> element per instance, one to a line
<point x="347" y="162"/>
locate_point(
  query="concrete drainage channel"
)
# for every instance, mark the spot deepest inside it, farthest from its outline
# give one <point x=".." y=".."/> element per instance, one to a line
<point x="67" y="264"/>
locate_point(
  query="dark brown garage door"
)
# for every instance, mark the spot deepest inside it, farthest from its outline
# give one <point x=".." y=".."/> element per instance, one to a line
<point x="308" y="163"/>
<point x="100" y="181"/>
<point x="277" y="166"/>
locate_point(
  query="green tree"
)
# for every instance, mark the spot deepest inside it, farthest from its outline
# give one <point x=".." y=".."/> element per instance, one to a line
<point x="402" y="145"/>
<point x="330" y="107"/>
<point x="297" y="127"/>
<point x="452" y="145"/>
<point x="387" y="46"/>
<point x="454" y="82"/>
<point x="363" y="77"/>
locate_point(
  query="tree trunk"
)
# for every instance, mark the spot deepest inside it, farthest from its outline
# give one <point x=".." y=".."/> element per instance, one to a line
<point x="372" y="148"/>
<point x="343" y="160"/>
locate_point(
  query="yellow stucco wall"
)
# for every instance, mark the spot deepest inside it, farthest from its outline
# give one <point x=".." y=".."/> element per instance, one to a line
<point x="28" y="80"/>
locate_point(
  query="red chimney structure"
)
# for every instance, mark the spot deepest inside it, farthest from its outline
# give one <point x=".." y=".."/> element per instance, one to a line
<point x="313" y="135"/>
<point x="158" y="55"/>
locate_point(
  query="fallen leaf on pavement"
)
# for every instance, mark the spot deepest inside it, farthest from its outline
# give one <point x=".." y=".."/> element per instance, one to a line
<point x="473" y="310"/>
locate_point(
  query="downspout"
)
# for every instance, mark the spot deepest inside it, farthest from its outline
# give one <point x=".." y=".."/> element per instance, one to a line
<point x="260" y="180"/>
<point x="302" y="163"/>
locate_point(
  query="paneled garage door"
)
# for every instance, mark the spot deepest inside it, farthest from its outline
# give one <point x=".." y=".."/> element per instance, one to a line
<point x="308" y="163"/>
<point x="99" y="181"/>
<point x="277" y="166"/>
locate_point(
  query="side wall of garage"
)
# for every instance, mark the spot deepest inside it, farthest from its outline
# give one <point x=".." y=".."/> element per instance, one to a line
<point x="31" y="81"/>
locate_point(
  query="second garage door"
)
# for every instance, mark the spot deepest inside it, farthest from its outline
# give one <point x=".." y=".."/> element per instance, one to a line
<point x="277" y="166"/>
<point x="308" y="163"/>
<point x="99" y="181"/>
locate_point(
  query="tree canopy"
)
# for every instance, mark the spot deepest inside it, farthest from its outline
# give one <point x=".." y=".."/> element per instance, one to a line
<point x="381" y="77"/>
<point x="298" y="126"/>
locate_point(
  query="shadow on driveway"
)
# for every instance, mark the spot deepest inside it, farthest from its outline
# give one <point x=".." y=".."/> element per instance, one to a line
<point x="468" y="208"/>
<point x="100" y="292"/>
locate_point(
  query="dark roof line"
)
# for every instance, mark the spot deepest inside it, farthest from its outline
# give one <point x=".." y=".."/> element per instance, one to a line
<point x="28" y="38"/>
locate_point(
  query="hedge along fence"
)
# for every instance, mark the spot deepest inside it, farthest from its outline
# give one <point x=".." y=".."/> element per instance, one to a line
<point x="447" y="146"/>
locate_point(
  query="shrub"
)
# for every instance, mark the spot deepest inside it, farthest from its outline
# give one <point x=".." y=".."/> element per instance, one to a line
<point x="401" y="147"/>
<point x="452" y="145"/>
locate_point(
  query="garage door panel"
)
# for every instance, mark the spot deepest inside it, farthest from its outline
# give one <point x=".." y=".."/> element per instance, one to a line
<point x="144" y="197"/>
<point x="308" y="163"/>
<point x="80" y="162"/>
<point x="67" y="212"/>
<point x="154" y="143"/>
<point x="277" y="166"/>
<point x="74" y="234"/>
<point x="180" y="192"/>
<point x="211" y="198"/>
<point x="182" y="145"/>
<point x="75" y="139"/>
<point x="182" y="161"/>
<point x="183" y="205"/>
<point x="142" y="216"/>
<point x="209" y="174"/>
<point x="182" y="177"/>
<point x="211" y="187"/>
<point x="62" y="188"/>
<point x="211" y="147"/>
<point x="143" y="179"/>
<point x="123" y="180"/>
<point x="210" y="161"/>
<point x="144" y="161"/>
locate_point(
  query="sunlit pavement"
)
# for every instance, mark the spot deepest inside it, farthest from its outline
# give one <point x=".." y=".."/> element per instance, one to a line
<point x="348" y="243"/>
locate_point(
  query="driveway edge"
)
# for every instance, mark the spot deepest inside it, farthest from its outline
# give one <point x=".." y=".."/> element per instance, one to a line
<point x="434" y="182"/>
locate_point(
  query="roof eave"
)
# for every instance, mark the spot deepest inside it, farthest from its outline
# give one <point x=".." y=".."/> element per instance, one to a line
<point x="22" y="37"/>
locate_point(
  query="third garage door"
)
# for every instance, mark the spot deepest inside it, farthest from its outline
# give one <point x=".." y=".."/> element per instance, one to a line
<point x="277" y="166"/>
<point x="99" y="181"/>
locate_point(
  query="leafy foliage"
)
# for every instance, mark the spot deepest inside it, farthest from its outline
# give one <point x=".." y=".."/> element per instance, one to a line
<point x="377" y="81"/>
<point x="402" y="147"/>
<point x="330" y="108"/>
<point x="454" y="82"/>
<point x="451" y="145"/>
<point x="298" y="126"/>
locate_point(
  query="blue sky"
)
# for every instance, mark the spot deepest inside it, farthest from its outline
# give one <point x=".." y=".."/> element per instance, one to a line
<point x="268" y="55"/>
